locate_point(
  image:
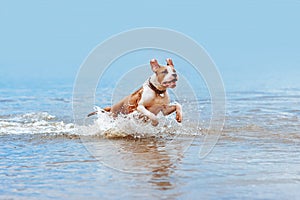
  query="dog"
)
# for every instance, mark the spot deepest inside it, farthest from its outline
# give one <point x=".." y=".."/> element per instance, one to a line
<point x="152" y="97"/>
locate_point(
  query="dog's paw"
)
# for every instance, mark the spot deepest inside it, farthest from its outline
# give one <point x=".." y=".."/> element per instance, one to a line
<point x="178" y="117"/>
<point x="143" y="118"/>
<point x="154" y="122"/>
<point x="178" y="113"/>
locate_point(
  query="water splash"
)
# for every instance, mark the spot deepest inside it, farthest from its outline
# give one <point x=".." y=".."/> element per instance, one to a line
<point x="34" y="123"/>
<point x="104" y="125"/>
<point x="132" y="126"/>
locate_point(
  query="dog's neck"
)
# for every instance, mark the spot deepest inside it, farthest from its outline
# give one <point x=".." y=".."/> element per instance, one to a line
<point x="155" y="85"/>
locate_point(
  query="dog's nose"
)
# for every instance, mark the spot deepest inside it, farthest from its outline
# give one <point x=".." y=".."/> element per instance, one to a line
<point x="175" y="75"/>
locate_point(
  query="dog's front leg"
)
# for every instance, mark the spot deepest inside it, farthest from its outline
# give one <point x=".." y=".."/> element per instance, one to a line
<point x="178" y="112"/>
<point x="149" y="114"/>
<point x="171" y="108"/>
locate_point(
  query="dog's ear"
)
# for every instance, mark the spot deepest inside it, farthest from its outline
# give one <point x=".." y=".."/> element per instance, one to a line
<point x="154" y="65"/>
<point x="170" y="62"/>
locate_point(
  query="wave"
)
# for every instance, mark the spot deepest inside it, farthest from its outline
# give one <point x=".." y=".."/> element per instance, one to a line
<point x="34" y="123"/>
<point x="103" y="125"/>
<point x="255" y="121"/>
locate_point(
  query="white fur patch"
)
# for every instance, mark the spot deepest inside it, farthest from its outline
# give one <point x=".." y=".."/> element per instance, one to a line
<point x="169" y="76"/>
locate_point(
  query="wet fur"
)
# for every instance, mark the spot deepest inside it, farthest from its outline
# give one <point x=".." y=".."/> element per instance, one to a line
<point x="126" y="105"/>
<point x="147" y="101"/>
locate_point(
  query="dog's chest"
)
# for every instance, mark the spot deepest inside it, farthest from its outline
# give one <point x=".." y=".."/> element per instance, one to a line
<point x="157" y="100"/>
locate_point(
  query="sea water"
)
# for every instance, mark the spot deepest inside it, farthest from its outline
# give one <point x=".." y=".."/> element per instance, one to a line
<point x="44" y="155"/>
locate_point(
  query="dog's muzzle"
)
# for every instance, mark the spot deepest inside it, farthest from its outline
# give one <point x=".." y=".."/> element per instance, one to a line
<point x="170" y="84"/>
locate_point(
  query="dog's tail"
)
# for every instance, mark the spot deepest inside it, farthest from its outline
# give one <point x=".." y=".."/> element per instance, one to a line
<point x="107" y="109"/>
<point x="92" y="113"/>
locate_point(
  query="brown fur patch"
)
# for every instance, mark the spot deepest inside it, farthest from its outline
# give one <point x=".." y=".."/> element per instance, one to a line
<point x="134" y="99"/>
<point x="107" y="109"/>
<point x="160" y="73"/>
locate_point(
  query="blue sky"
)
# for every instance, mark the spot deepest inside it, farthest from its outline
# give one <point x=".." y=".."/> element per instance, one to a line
<point x="249" y="38"/>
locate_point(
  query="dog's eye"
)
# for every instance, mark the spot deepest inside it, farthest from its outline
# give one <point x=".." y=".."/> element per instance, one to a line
<point x="165" y="72"/>
<point x="174" y="70"/>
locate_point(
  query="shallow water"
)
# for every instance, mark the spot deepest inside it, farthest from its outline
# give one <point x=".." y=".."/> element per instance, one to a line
<point x="44" y="156"/>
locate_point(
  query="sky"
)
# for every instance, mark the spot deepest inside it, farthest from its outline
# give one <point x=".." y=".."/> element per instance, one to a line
<point x="246" y="39"/>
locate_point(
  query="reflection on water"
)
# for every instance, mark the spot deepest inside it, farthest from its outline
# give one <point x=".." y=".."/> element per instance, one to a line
<point x="241" y="165"/>
<point x="149" y="157"/>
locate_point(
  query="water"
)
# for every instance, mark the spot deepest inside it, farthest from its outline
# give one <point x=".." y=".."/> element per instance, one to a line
<point x="44" y="156"/>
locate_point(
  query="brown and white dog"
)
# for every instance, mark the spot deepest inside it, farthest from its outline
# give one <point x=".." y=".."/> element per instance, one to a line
<point x="152" y="97"/>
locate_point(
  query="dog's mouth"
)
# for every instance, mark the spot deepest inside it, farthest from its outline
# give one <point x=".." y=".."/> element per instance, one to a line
<point x="170" y="84"/>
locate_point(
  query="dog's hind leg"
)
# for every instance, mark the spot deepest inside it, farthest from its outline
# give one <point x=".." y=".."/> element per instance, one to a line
<point x="107" y="109"/>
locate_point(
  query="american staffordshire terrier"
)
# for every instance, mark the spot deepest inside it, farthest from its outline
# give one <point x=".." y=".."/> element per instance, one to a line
<point x="152" y="97"/>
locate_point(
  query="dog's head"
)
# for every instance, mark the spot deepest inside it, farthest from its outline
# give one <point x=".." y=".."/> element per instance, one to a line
<point x="166" y="75"/>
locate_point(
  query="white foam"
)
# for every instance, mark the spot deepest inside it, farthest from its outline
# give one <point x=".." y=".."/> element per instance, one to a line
<point x="104" y="125"/>
<point x="131" y="125"/>
<point x="34" y="123"/>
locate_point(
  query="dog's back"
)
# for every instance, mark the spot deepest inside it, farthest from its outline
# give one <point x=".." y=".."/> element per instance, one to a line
<point x="127" y="105"/>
